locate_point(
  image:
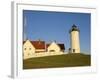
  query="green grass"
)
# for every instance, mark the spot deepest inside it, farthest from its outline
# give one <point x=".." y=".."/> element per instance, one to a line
<point x="66" y="60"/>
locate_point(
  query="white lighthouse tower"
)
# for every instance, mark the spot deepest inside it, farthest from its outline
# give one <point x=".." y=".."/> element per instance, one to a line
<point x="75" y="41"/>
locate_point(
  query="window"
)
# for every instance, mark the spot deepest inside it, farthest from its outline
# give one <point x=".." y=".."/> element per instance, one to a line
<point x="29" y="48"/>
<point x="52" y="50"/>
<point x="69" y="50"/>
<point x="24" y="48"/>
<point x="74" y="50"/>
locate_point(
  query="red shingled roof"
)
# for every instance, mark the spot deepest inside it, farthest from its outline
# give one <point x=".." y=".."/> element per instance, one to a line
<point x="41" y="45"/>
<point x="62" y="46"/>
<point x="38" y="44"/>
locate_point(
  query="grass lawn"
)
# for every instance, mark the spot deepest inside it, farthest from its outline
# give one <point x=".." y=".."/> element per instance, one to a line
<point x="65" y="60"/>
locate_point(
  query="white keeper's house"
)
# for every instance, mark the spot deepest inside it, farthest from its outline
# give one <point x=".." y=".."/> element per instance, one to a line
<point x="37" y="48"/>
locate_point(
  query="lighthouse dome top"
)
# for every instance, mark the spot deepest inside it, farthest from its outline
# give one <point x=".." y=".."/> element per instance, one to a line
<point x="74" y="28"/>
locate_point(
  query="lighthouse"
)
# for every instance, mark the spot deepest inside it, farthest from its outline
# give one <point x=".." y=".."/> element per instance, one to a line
<point x="74" y="39"/>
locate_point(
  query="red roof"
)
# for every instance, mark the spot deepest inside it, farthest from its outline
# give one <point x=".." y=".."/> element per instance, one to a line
<point x="41" y="45"/>
<point x="62" y="46"/>
<point x="38" y="44"/>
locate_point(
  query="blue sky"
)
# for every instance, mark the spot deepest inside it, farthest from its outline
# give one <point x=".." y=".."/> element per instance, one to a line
<point x="50" y="26"/>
